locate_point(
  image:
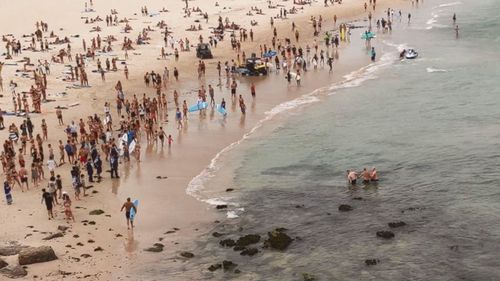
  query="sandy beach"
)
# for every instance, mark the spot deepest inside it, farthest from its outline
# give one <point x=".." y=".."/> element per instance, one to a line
<point x="99" y="247"/>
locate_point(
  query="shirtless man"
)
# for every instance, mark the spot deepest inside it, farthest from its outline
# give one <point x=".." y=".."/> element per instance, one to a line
<point x="373" y="175"/>
<point x="128" y="205"/>
<point x="366" y="176"/>
<point x="351" y="176"/>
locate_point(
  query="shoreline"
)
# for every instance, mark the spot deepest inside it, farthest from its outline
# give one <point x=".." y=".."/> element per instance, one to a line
<point x="194" y="210"/>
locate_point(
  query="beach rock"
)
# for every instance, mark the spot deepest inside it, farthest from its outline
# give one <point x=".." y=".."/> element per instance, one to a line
<point x="14" y="272"/>
<point x="238" y="248"/>
<point x="169" y="232"/>
<point x="85" y="256"/>
<point x="249" y="252"/>
<point x="3" y="263"/>
<point x="278" y="240"/>
<point x="385" y="234"/>
<point x="308" y="277"/>
<point x="221" y="207"/>
<point x="90" y="241"/>
<point x="187" y="255"/>
<point x="98" y="249"/>
<point x="370" y="262"/>
<point x="228" y="265"/>
<point x="53" y="236"/>
<point x="248" y="240"/>
<point x="229" y="189"/>
<point x="345" y="208"/>
<point x="217" y="234"/>
<point x="11" y="250"/>
<point x="96" y="212"/>
<point x="157" y="247"/>
<point x="36" y="255"/>
<point x="396" y="224"/>
<point x="214" y="267"/>
<point x="62" y="228"/>
<point x="227" y="243"/>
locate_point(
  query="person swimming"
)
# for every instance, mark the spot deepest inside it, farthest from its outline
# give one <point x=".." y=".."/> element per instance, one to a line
<point x="366" y="176"/>
<point x="373" y="175"/>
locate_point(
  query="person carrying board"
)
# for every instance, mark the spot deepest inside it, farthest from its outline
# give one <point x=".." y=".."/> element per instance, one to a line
<point x="128" y="206"/>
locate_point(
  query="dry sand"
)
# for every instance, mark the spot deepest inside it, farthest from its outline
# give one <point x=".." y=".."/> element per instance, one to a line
<point x="164" y="202"/>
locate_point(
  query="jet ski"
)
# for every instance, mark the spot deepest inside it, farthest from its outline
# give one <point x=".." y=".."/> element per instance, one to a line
<point x="410" y="54"/>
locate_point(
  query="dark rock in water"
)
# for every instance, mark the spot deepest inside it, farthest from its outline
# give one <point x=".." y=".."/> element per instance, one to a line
<point x="396" y="224"/>
<point x="11" y="250"/>
<point x="217" y="234"/>
<point x="220" y="207"/>
<point x="36" y="255"/>
<point x="454" y="248"/>
<point x="229" y="189"/>
<point x="299" y="206"/>
<point x="371" y="262"/>
<point x="308" y="277"/>
<point x="62" y="228"/>
<point x="278" y="240"/>
<point x="385" y="234"/>
<point x="3" y="263"/>
<point x="412" y="209"/>
<point x="96" y="212"/>
<point x="345" y="208"/>
<point x="237" y="271"/>
<point x="98" y="249"/>
<point x="227" y="243"/>
<point x="14" y="272"/>
<point x="228" y="265"/>
<point x="187" y="255"/>
<point x="216" y="221"/>
<point x="248" y="240"/>
<point x="357" y="198"/>
<point x="281" y="229"/>
<point x="157" y="247"/>
<point x="53" y="236"/>
<point x="249" y="252"/>
<point x="215" y="267"/>
<point x="238" y="248"/>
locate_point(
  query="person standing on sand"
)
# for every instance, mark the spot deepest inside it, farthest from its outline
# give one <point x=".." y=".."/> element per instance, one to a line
<point x="67" y="207"/>
<point x="373" y="54"/>
<point x="8" y="195"/>
<point x="178" y="118"/>
<point x="49" y="203"/>
<point x="252" y="89"/>
<point x="113" y="161"/>
<point x="128" y="205"/>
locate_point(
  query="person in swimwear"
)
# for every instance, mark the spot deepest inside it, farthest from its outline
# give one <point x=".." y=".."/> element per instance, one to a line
<point x="366" y="176"/>
<point x="373" y="175"/>
<point x="128" y="205"/>
<point x="351" y="176"/>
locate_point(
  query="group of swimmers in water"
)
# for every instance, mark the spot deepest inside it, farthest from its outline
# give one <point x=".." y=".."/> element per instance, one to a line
<point x="366" y="176"/>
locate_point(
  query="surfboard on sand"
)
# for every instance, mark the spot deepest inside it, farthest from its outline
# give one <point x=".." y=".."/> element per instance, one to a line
<point x="221" y="110"/>
<point x="197" y="107"/>
<point x="132" y="211"/>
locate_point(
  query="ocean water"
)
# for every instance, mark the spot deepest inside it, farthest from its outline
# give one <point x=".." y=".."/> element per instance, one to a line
<point x="431" y="126"/>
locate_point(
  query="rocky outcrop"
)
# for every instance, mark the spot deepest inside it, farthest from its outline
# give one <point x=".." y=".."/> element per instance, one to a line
<point x="96" y="212"/>
<point x="345" y="208"/>
<point x="308" y="277"/>
<point x="217" y="234"/>
<point x="221" y="207"/>
<point x="278" y="240"/>
<point x="14" y="272"/>
<point x="248" y="240"/>
<point x="249" y="252"/>
<point x="228" y="265"/>
<point x="371" y="262"/>
<point x="36" y="255"/>
<point x="53" y="236"/>
<point x="3" y="263"/>
<point x="157" y="247"/>
<point x="227" y="243"/>
<point x="385" y="234"/>
<point x="62" y="228"/>
<point x="215" y="267"/>
<point x="187" y="255"/>
<point x="11" y="250"/>
<point x="396" y="224"/>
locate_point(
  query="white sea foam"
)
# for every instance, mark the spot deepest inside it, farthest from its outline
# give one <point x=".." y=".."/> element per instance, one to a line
<point x="449" y="4"/>
<point x="431" y="70"/>
<point x="353" y="79"/>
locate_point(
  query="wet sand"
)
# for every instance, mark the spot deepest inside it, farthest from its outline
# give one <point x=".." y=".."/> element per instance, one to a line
<point x="164" y="202"/>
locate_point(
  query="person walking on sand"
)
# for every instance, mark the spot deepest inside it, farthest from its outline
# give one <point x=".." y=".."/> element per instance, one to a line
<point x="49" y="203"/>
<point x="252" y="90"/>
<point x="8" y="192"/>
<point x="373" y="54"/>
<point x="178" y="118"/>
<point x="128" y="205"/>
<point x="67" y="207"/>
